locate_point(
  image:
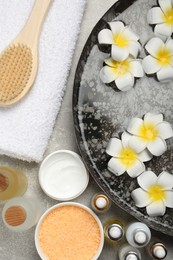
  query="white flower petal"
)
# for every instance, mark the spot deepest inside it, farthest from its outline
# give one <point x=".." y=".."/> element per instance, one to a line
<point x="134" y="125"/>
<point x="110" y="62"/>
<point x="116" y="167"/>
<point x="169" y="199"/>
<point x="136" y="68"/>
<point x="145" y="156"/>
<point x="165" y="73"/>
<point x="116" y="27"/>
<point x="137" y="143"/>
<point x="140" y="198"/>
<point x="135" y="170"/>
<point x="165" y="180"/>
<point x="169" y="45"/>
<point x="105" y="37"/>
<point x="156" y="209"/>
<point x="153" y="118"/>
<point x="147" y="179"/>
<point x="150" y="65"/>
<point x="114" y="147"/>
<point x="165" y="5"/>
<point x="125" y="82"/>
<point x="165" y="130"/>
<point x="119" y="53"/>
<point x="157" y="147"/>
<point x="154" y="45"/>
<point x="155" y="15"/>
<point x="107" y="74"/>
<point x="163" y="29"/>
<point x="130" y="34"/>
<point x="134" y="48"/>
<point x="125" y="139"/>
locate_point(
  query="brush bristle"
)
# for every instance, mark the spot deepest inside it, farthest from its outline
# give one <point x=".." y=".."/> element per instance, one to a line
<point x="15" y="71"/>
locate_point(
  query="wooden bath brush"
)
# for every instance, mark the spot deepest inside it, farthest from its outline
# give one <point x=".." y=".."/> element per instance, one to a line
<point x="19" y="61"/>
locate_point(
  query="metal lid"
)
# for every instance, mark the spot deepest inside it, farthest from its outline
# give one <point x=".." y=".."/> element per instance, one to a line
<point x="4" y="182"/>
<point x="115" y="232"/>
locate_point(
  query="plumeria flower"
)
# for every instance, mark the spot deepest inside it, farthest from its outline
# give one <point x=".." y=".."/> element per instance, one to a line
<point x="155" y="194"/>
<point x="150" y="133"/>
<point x="162" y="17"/>
<point x="124" y="158"/>
<point x="122" y="72"/>
<point x="122" y="39"/>
<point x="160" y="59"/>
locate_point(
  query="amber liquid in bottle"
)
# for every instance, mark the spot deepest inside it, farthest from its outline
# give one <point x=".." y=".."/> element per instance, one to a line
<point x="13" y="183"/>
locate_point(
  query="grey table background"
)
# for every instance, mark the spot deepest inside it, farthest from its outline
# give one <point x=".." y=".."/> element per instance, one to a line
<point x="21" y="246"/>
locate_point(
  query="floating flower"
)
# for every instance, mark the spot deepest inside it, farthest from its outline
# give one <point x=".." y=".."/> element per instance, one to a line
<point x="122" y="39"/>
<point x="162" y="17"/>
<point x="155" y="193"/>
<point x="149" y="133"/>
<point x="124" y="158"/>
<point x="122" y="72"/>
<point x="160" y="60"/>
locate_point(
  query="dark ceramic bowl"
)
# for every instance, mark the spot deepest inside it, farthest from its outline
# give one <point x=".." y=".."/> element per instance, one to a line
<point x="100" y="112"/>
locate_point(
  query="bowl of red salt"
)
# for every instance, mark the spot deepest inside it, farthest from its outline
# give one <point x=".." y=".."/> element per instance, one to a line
<point x="69" y="230"/>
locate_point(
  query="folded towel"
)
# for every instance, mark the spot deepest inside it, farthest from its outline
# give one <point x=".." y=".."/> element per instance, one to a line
<point x="26" y="126"/>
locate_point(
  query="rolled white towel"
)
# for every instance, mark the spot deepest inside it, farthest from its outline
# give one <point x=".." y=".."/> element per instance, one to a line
<point x="25" y="127"/>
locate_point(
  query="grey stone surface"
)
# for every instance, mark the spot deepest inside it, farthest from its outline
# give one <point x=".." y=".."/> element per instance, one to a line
<point x="21" y="246"/>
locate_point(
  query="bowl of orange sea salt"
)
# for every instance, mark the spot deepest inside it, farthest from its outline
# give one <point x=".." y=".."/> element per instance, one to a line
<point x="69" y="230"/>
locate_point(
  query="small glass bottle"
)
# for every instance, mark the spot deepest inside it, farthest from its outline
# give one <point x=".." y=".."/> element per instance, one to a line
<point x="13" y="183"/>
<point x="100" y="203"/>
<point x="20" y="214"/>
<point x="127" y="252"/>
<point x="114" y="231"/>
<point x="138" y="234"/>
<point x="157" y="250"/>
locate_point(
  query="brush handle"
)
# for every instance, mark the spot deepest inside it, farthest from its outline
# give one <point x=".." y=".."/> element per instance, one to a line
<point x="31" y="30"/>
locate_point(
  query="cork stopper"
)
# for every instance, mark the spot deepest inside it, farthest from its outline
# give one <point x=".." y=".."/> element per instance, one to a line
<point x="132" y="256"/>
<point x="15" y="216"/>
<point x="159" y="251"/>
<point x="101" y="202"/>
<point x="115" y="232"/>
<point x="4" y="182"/>
<point x="140" y="237"/>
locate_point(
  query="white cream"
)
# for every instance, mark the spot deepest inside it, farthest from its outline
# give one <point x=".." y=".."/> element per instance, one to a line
<point x="63" y="175"/>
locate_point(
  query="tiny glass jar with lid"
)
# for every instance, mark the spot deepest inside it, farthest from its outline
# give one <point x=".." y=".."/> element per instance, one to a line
<point x="13" y="183"/>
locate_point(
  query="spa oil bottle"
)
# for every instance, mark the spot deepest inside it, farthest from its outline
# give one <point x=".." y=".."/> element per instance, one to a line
<point x="138" y="234"/>
<point x="127" y="252"/>
<point x="12" y="183"/>
<point x="20" y="214"/>
<point x="113" y="231"/>
<point x="100" y="203"/>
<point x="157" y="250"/>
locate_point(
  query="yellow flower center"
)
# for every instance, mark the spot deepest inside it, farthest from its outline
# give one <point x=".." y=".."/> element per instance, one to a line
<point x="120" y="40"/>
<point x="128" y="156"/>
<point x="156" y="193"/>
<point x="164" y="57"/>
<point x="168" y="16"/>
<point x="120" y="68"/>
<point x="148" y="132"/>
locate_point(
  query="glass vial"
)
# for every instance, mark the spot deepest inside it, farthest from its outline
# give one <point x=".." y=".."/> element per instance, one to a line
<point x="138" y="234"/>
<point x="127" y="252"/>
<point x="13" y="183"/>
<point x="20" y="214"/>
<point x="158" y="250"/>
<point x="113" y="231"/>
<point x="100" y="203"/>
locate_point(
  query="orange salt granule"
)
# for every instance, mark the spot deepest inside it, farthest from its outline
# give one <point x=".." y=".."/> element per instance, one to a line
<point x="69" y="233"/>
